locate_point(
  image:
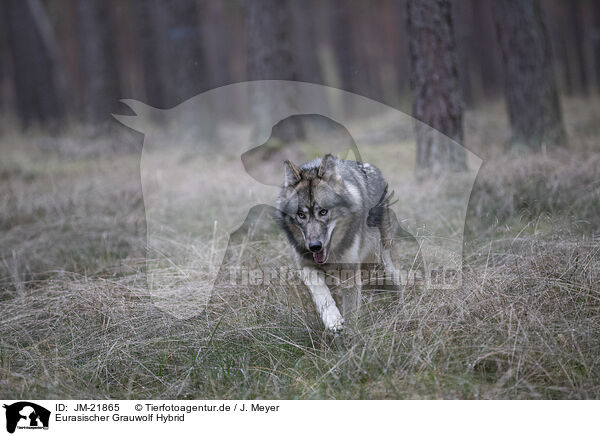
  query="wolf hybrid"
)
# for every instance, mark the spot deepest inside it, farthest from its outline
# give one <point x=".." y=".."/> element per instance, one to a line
<point x="335" y="215"/>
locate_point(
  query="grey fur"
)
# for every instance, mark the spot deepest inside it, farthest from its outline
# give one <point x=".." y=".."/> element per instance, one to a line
<point x="342" y="205"/>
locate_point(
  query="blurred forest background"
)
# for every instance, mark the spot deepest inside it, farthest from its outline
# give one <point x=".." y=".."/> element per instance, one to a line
<point x="72" y="60"/>
<point x="503" y="77"/>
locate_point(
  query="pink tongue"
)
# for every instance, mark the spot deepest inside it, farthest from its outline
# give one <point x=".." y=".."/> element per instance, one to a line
<point x="320" y="256"/>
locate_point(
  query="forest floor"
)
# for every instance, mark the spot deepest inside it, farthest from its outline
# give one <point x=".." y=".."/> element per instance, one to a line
<point x="76" y="320"/>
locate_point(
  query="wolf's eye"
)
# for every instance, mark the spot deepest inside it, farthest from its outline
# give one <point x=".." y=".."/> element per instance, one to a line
<point x="323" y="212"/>
<point x="301" y="215"/>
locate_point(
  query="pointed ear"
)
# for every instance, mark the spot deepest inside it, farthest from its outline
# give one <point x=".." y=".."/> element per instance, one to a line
<point x="292" y="174"/>
<point x="328" y="166"/>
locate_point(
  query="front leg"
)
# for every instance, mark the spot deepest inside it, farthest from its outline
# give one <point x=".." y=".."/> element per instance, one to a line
<point x="324" y="302"/>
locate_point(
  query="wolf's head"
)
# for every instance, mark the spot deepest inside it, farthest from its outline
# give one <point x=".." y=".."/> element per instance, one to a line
<point x="314" y="199"/>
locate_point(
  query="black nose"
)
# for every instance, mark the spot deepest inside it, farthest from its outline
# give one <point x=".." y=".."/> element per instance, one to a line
<point x="315" y="246"/>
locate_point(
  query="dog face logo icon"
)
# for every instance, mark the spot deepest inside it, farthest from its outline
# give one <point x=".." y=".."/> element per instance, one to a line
<point x="24" y="414"/>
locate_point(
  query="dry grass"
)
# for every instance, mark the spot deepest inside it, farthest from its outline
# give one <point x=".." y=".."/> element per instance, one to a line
<point x="77" y="321"/>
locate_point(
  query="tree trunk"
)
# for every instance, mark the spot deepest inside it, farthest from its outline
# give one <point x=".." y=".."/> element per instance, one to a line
<point x="370" y="48"/>
<point x="147" y="45"/>
<point x="99" y="72"/>
<point x="484" y="50"/>
<point x="434" y="82"/>
<point x="188" y="75"/>
<point x="344" y="50"/>
<point x="462" y="19"/>
<point x="596" y="42"/>
<point x="304" y="44"/>
<point x="216" y="37"/>
<point x="395" y="68"/>
<point x="531" y="95"/>
<point x="171" y="39"/>
<point x="35" y="63"/>
<point x="576" y="26"/>
<point x="269" y="45"/>
<point x="270" y="57"/>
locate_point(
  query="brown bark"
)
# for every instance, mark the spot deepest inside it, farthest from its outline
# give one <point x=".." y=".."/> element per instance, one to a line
<point x="340" y="24"/>
<point x="268" y="26"/>
<point x="304" y="45"/>
<point x="434" y="82"/>
<point x="150" y="51"/>
<point x="35" y="63"/>
<point x="97" y="58"/>
<point x="484" y="49"/>
<point x="531" y="95"/>
<point x="576" y="26"/>
<point x="596" y="42"/>
<point x="216" y="41"/>
<point x="171" y="43"/>
<point x="269" y="42"/>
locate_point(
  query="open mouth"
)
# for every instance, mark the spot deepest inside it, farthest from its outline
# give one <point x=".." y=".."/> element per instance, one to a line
<point x="320" y="256"/>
